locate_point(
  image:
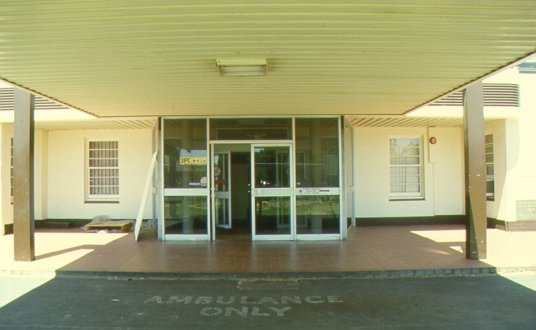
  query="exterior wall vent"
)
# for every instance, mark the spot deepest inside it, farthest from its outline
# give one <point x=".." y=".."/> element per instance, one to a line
<point x="495" y="95"/>
<point x="7" y="101"/>
<point x="527" y="67"/>
<point x="454" y="99"/>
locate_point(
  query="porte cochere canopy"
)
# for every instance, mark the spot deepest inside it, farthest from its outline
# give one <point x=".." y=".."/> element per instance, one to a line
<point x="137" y="58"/>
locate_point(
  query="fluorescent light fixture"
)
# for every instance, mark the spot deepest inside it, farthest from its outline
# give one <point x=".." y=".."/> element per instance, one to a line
<point x="242" y="67"/>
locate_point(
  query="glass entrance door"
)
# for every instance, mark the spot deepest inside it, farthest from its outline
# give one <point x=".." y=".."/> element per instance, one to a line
<point x="221" y="189"/>
<point x="271" y="202"/>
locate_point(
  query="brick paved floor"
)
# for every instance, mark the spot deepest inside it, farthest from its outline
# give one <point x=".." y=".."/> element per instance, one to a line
<point x="366" y="249"/>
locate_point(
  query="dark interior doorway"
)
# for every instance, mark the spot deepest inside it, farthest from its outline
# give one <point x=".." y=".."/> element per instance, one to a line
<point x="240" y="199"/>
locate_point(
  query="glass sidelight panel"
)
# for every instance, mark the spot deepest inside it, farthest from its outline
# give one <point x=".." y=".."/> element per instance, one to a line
<point x="317" y="214"/>
<point x="185" y="179"/>
<point x="272" y="215"/>
<point x="185" y="214"/>
<point x="317" y="152"/>
<point x="185" y="154"/>
<point x="318" y="193"/>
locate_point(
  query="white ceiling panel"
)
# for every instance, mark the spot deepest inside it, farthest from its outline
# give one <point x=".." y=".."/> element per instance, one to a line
<point x="138" y="58"/>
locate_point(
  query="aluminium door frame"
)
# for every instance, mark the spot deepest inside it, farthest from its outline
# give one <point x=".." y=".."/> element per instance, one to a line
<point x="273" y="192"/>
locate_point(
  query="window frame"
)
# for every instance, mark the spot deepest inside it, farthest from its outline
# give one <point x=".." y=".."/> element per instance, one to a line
<point x="401" y="196"/>
<point x="100" y="198"/>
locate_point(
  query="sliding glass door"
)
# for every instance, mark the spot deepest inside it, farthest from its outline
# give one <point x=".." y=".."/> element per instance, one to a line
<point x="272" y="202"/>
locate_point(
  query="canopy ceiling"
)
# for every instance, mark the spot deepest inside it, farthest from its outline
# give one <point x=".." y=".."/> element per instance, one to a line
<point x="136" y="58"/>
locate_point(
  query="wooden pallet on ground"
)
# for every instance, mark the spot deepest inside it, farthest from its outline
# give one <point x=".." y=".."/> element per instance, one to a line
<point x="121" y="225"/>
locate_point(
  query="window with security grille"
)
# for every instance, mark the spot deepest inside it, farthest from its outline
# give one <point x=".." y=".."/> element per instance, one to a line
<point x="490" y="169"/>
<point x="405" y="167"/>
<point x="103" y="170"/>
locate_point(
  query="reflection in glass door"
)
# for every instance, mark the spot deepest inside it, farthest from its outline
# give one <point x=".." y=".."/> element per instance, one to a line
<point x="221" y="188"/>
<point x="272" y="191"/>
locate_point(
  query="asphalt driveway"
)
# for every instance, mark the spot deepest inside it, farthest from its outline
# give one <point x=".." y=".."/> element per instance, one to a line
<point x="481" y="302"/>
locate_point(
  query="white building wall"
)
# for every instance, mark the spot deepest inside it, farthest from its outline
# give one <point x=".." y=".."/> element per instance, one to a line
<point x="514" y="152"/>
<point x="66" y="173"/>
<point x="443" y="173"/>
<point x="524" y="182"/>
<point x="446" y="162"/>
<point x="40" y="174"/>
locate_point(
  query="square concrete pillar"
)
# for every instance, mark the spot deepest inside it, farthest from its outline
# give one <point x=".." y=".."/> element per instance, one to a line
<point x="23" y="151"/>
<point x="475" y="172"/>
